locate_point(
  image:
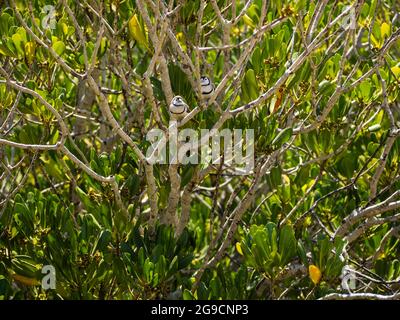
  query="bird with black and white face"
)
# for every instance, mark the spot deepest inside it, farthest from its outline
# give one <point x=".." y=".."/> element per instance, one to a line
<point x="207" y="87"/>
<point x="178" y="108"/>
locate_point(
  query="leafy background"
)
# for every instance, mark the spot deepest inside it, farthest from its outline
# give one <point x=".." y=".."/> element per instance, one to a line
<point x="54" y="212"/>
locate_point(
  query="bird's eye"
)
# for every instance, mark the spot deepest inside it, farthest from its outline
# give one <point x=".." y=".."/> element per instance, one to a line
<point x="205" y="80"/>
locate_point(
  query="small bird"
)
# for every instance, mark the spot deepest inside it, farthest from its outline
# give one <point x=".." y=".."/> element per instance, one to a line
<point x="178" y="108"/>
<point x="207" y="87"/>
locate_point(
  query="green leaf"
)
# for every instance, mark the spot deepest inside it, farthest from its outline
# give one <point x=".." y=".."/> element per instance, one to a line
<point x="141" y="256"/>
<point x="104" y="239"/>
<point x="187" y="295"/>
<point x="287" y="244"/>
<point x="302" y="252"/>
<point x="324" y="249"/>
<point x="326" y="88"/>
<point x="59" y="47"/>
<point x="202" y="292"/>
<point x="256" y="60"/>
<point x="282" y="137"/>
<point x="181" y="84"/>
<point x="275" y="177"/>
<point x="4" y="23"/>
<point x="4" y="50"/>
<point x="84" y="197"/>
<point x="148" y="270"/>
<point x="365" y="88"/>
<point x="18" y="43"/>
<point x="250" y="89"/>
<point x="347" y="164"/>
<point x="325" y="139"/>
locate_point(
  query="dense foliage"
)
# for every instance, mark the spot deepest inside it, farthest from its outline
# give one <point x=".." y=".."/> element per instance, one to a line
<point x="83" y="82"/>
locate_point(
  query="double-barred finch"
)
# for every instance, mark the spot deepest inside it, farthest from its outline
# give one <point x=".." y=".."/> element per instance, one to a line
<point x="207" y="87"/>
<point x="178" y="108"/>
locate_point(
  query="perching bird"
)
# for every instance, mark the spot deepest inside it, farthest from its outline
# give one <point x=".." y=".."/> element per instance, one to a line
<point x="207" y="87"/>
<point x="178" y="108"/>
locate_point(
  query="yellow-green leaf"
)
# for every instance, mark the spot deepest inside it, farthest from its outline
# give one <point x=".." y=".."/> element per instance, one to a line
<point x="181" y="39"/>
<point x="137" y="32"/>
<point x="385" y="30"/>
<point x="18" y="42"/>
<point x="247" y="20"/>
<point x="59" y="47"/>
<point x="64" y="28"/>
<point x="396" y="70"/>
<point x="375" y="42"/>
<point x="30" y="51"/>
<point x="239" y="248"/>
